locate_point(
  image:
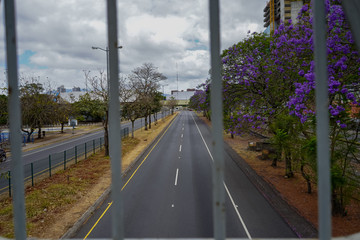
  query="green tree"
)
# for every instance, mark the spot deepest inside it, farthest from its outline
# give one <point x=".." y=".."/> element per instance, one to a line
<point x="144" y="81"/>
<point x="132" y="111"/>
<point x="37" y="107"/>
<point x="172" y="103"/>
<point x="63" y="111"/>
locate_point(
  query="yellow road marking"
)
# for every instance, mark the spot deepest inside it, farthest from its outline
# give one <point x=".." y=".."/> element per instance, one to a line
<point x="98" y="220"/>
<point x="128" y="180"/>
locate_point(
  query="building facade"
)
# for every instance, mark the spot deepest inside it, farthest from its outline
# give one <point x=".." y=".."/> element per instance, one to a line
<point x="277" y="11"/>
<point x="181" y="95"/>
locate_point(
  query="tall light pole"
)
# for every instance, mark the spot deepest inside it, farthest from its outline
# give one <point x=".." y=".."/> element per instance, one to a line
<point x="107" y="61"/>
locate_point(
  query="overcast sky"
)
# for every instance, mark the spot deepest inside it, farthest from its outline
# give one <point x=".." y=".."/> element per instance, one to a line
<point x="55" y="37"/>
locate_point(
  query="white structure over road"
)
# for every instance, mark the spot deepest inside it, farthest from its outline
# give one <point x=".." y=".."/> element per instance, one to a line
<point x="181" y="95"/>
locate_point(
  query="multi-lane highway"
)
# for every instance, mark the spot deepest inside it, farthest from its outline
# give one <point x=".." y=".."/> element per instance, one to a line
<point x="40" y="156"/>
<point x="169" y="193"/>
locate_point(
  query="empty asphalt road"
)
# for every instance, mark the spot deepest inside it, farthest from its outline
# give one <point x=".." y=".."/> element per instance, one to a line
<point x="169" y="194"/>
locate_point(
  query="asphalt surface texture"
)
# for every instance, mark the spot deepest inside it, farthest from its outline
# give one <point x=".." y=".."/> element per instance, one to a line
<point x="169" y="193"/>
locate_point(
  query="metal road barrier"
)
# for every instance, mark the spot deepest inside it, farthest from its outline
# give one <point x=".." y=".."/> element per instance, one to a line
<point x="218" y="172"/>
<point x="57" y="161"/>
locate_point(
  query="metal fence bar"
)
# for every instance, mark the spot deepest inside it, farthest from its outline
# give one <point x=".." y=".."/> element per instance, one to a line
<point x="217" y="123"/>
<point x="49" y="165"/>
<point x="94" y="146"/>
<point x="65" y="160"/>
<point x="322" y="118"/>
<point x="17" y="166"/>
<point x="9" y="178"/>
<point x="114" y="123"/>
<point x="32" y="174"/>
<point x="75" y="154"/>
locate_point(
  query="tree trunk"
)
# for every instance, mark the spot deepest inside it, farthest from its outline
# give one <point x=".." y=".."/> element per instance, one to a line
<point x="275" y="159"/>
<point x="28" y="138"/>
<point x="289" y="172"/>
<point x="39" y="133"/>
<point x="106" y="141"/>
<point x="62" y="127"/>
<point x="307" y="179"/>
<point x="337" y="205"/>
<point x="106" y="134"/>
<point x="146" y="123"/>
<point x="150" y="121"/>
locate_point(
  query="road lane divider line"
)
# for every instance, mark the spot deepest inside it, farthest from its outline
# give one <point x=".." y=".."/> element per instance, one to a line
<point x="180" y="148"/>
<point x="182" y="135"/>
<point x="227" y="190"/>
<point x="147" y="156"/>
<point x="130" y="178"/>
<point x="176" y="176"/>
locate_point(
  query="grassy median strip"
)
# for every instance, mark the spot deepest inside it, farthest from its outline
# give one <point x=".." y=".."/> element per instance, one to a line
<point x="52" y="205"/>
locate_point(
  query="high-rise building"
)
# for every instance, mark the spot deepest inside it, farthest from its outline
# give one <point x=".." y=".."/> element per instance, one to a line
<point x="277" y="11"/>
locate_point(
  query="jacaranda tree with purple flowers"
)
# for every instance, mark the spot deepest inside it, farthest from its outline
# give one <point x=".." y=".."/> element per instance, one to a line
<point x="269" y="83"/>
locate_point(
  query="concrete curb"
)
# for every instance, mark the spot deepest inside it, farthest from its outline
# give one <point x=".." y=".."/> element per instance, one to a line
<point x="74" y="229"/>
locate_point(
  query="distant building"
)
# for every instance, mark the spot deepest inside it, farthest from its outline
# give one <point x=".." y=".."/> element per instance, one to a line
<point x="277" y="11"/>
<point x="61" y="89"/>
<point x="182" y="95"/>
<point x="71" y="95"/>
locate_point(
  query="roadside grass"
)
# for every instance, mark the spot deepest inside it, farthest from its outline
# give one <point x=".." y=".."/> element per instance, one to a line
<point x="51" y="197"/>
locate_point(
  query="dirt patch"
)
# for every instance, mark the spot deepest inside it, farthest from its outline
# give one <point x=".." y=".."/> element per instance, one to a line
<point x="66" y="218"/>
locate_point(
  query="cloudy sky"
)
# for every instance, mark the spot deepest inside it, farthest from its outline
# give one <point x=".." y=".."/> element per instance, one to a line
<point x="55" y="37"/>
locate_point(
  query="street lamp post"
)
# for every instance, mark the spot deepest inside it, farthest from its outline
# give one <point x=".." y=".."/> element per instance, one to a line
<point x="107" y="61"/>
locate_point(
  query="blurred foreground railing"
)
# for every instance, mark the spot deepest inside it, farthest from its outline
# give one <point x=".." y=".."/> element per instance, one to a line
<point x="216" y="98"/>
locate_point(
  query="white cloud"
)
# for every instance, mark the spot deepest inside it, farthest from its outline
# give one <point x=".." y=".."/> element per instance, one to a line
<point x="164" y="32"/>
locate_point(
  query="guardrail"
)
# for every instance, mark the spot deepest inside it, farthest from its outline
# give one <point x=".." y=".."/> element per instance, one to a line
<point x="58" y="161"/>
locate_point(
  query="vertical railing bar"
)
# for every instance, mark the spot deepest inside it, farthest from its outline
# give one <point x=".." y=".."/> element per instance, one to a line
<point x="32" y="174"/>
<point x="50" y="165"/>
<point x="94" y="146"/>
<point x="75" y="154"/>
<point x="114" y="122"/>
<point x="65" y="160"/>
<point x="17" y="167"/>
<point x="9" y="177"/>
<point x="217" y="123"/>
<point x="322" y="118"/>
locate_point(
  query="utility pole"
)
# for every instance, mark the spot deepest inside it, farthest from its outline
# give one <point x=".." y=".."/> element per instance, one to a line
<point x="177" y="82"/>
